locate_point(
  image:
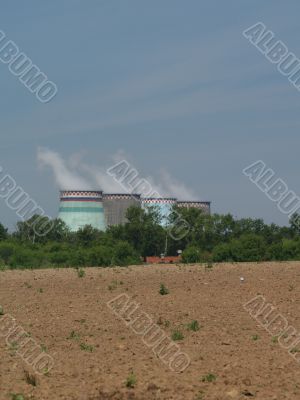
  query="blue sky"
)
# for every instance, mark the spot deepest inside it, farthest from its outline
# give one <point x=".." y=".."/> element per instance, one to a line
<point x="170" y="85"/>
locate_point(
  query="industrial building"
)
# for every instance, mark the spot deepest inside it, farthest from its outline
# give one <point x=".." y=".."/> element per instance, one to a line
<point x="79" y="208"/>
<point x="116" y="205"/>
<point x="202" y="205"/>
<point x="100" y="210"/>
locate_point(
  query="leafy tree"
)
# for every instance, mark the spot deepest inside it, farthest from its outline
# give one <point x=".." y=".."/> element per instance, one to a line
<point x="3" y="232"/>
<point x="87" y="235"/>
<point x="34" y="229"/>
<point x="143" y="232"/>
<point x="6" y="251"/>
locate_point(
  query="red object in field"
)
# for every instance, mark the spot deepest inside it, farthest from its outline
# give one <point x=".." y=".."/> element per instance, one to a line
<point x="163" y="260"/>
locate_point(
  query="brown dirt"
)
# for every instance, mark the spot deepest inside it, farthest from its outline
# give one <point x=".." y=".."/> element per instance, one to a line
<point x="224" y="346"/>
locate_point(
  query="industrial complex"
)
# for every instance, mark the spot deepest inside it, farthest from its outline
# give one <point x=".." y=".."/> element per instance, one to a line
<point x="101" y="210"/>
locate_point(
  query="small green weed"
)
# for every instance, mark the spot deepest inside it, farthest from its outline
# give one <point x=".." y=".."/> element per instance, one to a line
<point x="80" y="273"/>
<point x="209" y="378"/>
<point x="17" y="396"/>
<point x="193" y="326"/>
<point x="177" y="335"/>
<point x="163" y="290"/>
<point x="74" y="335"/>
<point x="131" y="380"/>
<point x="86" y="347"/>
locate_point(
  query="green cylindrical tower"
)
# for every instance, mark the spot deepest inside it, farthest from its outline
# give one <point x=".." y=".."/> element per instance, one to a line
<point x="79" y="208"/>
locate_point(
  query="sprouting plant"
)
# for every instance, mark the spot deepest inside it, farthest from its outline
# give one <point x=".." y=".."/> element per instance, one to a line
<point x="74" y="335"/>
<point x="193" y="326"/>
<point x="131" y="380"/>
<point x="114" y="284"/>
<point x="14" y="346"/>
<point x="275" y="339"/>
<point x="1" y="310"/>
<point x="255" y="337"/>
<point x="165" y="323"/>
<point x="209" y="378"/>
<point x="199" y="396"/>
<point x="163" y="290"/>
<point x="177" y="335"/>
<point x="294" y="350"/>
<point x="44" y="348"/>
<point x="209" y="265"/>
<point x="30" y="378"/>
<point x="86" y="347"/>
<point x="80" y="272"/>
<point x="41" y="290"/>
<point x="17" y="396"/>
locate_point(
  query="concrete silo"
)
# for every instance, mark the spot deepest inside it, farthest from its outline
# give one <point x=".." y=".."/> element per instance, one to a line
<point x="79" y="208"/>
<point x="116" y="206"/>
<point x="202" y="205"/>
<point x="163" y="204"/>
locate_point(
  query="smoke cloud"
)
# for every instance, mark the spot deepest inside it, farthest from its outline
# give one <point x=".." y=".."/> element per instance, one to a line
<point x="75" y="174"/>
<point x="64" y="176"/>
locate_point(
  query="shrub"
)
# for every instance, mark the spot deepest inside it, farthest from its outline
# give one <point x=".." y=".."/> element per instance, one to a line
<point x="6" y="251"/>
<point x="191" y="255"/>
<point x="222" y="252"/>
<point x="100" y="256"/>
<point x="248" y="247"/>
<point x="60" y="257"/>
<point x="124" y="254"/>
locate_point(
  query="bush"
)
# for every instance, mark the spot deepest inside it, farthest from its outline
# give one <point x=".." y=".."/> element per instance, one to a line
<point x="60" y="258"/>
<point x="6" y="251"/>
<point x="124" y="254"/>
<point x="100" y="256"/>
<point x="222" y="252"/>
<point x="191" y="255"/>
<point x="78" y="258"/>
<point x="290" y="249"/>
<point x="248" y="248"/>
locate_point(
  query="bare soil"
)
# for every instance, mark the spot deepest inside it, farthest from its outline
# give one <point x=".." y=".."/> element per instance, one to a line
<point x="242" y="358"/>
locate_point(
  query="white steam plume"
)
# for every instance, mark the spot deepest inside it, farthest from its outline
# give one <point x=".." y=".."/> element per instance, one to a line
<point x="64" y="177"/>
<point x="76" y="174"/>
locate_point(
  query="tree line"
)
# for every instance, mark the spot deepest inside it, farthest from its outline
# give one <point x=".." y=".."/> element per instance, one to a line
<point x="214" y="238"/>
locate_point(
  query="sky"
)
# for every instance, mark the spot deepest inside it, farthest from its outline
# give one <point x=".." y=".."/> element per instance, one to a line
<point x="173" y="87"/>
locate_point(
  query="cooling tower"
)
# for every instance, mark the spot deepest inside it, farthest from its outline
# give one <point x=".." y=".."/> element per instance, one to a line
<point x="116" y="206"/>
<point x="80" y="208"/>
<point x="203" y="205"/>
<point x="164" y="206"/>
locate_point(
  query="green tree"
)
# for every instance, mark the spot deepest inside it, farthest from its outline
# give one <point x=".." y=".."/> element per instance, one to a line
<point x="87" y="235"/>
<point x="3" y="232"/>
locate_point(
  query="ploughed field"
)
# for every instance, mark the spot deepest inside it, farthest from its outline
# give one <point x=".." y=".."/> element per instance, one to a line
<point x="100" y="353"/>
